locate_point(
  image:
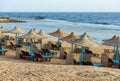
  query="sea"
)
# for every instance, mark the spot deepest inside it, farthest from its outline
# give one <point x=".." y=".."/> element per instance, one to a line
<point x="100" y="25"/>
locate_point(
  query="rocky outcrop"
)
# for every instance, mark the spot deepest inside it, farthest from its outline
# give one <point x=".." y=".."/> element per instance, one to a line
<point x="6" y="19"/>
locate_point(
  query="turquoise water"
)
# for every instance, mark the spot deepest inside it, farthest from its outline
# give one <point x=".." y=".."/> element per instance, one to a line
<point x="98" y="25"/>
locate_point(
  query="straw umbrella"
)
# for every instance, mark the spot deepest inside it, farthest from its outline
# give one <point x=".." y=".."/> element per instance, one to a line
<point x="17" y="31"/>
<point x="85" y="34"/>
<point x="115" y="36"/>
<point x="114" y="41"/>
<point x="59" y="34"/>
<point x="84" y="41"/>
<point x="108" y="40"/>
<point x="35" y="30"/>
<point x="3" y="29"/>
<point x="43" y="35"/>
<point x="30" y="35"/>
<point x="70" y="38"/>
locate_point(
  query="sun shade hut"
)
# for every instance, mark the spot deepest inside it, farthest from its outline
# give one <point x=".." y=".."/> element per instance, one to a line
<point x="84" y="41"/>
<point x="114" y="41"/>
<point x="108" y="40"/>
<point x="89" y="37"/>
<point x="43" y="35"/>
<point x="30" y="35"/>
<point x="17" y="31"/>
<point x="69" y="39"/>
<point x="2" y="29"/>
<point x="59" y="33"/>
<point x="35" y="30"/>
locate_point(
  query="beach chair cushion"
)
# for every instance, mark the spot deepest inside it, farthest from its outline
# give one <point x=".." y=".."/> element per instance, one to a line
<point x="18" y="45"/>
<point x="89" y="63"/>
<point x="40" y="57"/>
<point x="46" y="56"/>
<point x="115" y="61"/>
<point x="97" y="64"/>
<point x="25" y="46"/>
<point x="53" y="51"/>
<point x="3" y="50"/>
<point x="3" y="43"/>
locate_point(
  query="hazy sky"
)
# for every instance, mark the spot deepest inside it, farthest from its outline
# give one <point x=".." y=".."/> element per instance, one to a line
<point x="59" y="5"/>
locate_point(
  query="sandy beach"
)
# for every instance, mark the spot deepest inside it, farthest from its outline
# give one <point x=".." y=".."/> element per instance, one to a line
<point x="12" y="69"/>
<point x="27" y="71"/>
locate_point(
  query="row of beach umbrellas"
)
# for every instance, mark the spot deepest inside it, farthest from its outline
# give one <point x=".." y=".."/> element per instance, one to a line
<point x="84" y="40"/>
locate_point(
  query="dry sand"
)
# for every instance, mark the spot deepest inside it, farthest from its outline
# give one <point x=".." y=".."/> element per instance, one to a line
<point x="12" y="69"/>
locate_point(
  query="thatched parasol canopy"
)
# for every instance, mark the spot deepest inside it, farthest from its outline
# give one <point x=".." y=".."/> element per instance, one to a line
<point x="70" y="37"/>
<point x="89" y="37"/>
<point x="85" y="41"/>
<point x="3" y="29"/>
<point x="59" y="33"/>
<point x="30" y="34"/>
<point x="108" y="40"/>
<point x="43" y="34"/>
<point x="35" y="30"/>
<point x="17" y="30"/>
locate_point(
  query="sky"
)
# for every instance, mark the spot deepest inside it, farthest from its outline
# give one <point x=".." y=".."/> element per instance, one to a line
<point x="59" y="5"/>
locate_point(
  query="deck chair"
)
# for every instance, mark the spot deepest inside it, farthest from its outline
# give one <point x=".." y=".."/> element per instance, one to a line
<point x="3" y="43"/>
<point x="89" y="63"/>
<point x="52" y="51"/>
<point x="25" y="55"/>
<point x="3" y="51"/>
<point x="53" y="46"/>
<point x="39" y="57"/>
<point x="82" y="56"/>
<point x="45" y="51"/>
<point x="18" y="45"/>
<point x="12" y="46"/>
<point x="48" y="51"/>
<point x="112" y="62"/>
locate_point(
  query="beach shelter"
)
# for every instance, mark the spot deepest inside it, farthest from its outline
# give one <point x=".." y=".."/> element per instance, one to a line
<point x="35" y="30"/>
<point x="106" y="41"/>
<point x="59" y="33"/>
<point x="2" y="29"/>
<point x="30" y="35"/>
<point x="43" y="35"/>
<point x="69" y="39"/>
<point x="84" y="41"/>
<point x="89" y="37"/>
<point x="17" y="31"/>
<point x="114" y="41"/>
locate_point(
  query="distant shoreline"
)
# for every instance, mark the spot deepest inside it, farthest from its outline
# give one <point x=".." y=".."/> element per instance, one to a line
<point x="6" y="19"/>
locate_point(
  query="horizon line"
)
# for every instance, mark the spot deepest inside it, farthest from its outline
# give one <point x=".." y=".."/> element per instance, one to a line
<point x="55" y="12"/>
